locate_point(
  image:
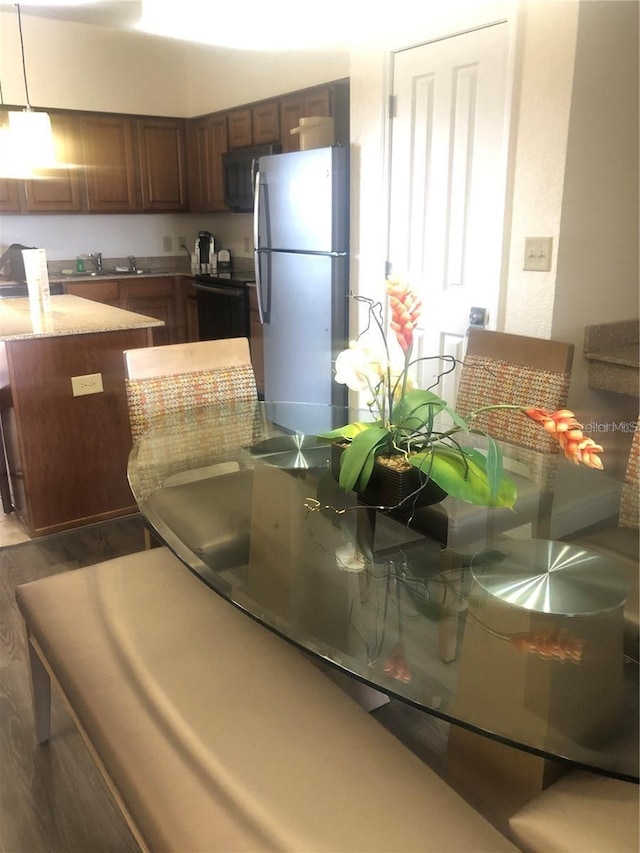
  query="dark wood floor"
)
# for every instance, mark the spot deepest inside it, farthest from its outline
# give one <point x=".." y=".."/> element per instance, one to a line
<point x="52" y="798"/>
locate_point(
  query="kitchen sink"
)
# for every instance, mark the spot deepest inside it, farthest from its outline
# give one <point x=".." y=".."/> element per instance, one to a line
<point x="102" y="274"/>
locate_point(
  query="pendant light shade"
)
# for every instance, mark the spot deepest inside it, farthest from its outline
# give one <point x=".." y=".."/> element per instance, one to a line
<point x="26" y="143"/>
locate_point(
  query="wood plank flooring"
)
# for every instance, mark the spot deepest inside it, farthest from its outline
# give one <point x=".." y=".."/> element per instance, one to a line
<point x="52" y="798"/>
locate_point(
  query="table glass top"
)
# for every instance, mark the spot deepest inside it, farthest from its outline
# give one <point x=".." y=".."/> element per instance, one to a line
<point x="519" y="639"/>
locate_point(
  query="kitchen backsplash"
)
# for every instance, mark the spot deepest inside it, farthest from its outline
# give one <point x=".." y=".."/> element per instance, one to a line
<point x="120" y="235"/>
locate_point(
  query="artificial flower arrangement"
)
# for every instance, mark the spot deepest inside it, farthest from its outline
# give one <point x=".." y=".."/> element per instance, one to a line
<point x="404" y="426"/>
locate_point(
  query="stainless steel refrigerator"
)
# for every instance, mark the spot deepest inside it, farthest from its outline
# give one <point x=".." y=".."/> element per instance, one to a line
<point x="301" y="249"/>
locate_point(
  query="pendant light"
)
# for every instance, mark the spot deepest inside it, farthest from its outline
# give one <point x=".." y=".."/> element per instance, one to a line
<point x="27" y="141"/>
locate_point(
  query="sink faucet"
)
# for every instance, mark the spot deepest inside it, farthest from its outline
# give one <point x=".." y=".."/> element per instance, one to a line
<point x="97" y="260"/>
<point x="132" y="263"/>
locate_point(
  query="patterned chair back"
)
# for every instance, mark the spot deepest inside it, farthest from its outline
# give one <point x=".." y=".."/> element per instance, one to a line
<point x="630" y="498"/>
<point x="169" y="379"/>
<point x="504" y="368"/>
<point x="173" y="386"/>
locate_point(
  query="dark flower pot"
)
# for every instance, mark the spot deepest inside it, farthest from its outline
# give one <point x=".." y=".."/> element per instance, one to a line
<point x="389" y="486"/>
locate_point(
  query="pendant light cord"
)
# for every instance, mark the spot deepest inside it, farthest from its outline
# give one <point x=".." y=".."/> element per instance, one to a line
<point x="24" y="66"/>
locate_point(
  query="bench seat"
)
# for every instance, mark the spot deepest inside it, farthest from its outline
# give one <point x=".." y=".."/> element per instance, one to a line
<point x="214" y="734"/>
<point x="580" y="813"/>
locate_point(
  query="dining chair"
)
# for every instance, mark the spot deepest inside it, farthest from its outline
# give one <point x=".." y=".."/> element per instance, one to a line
<point x="505" y="368"/>
<point x="178" y="381"/>
<point x="622" y="544"/>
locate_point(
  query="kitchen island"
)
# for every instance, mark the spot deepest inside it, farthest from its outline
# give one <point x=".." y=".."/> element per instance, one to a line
<point x="63" y="409"/>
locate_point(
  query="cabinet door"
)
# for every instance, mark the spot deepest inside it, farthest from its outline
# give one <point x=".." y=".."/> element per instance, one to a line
<point x="59" y="190"/>
<point x="10" y="188"/>
<point x="104" y="290"/>
<point x="10" y="195"/>
<point x="161" y="149"/>
<point x="239" y="127"/>
<point x="265" y="123"/>
<point x="207" y="144"/>
<point x="107" y="143"/>
<point x="154" y="297"/>
<point x="295" y="107"/>
<point x="291" y="110"/>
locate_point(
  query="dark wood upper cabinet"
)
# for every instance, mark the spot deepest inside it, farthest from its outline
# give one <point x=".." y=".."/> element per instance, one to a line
<point x="10" y="188"/>
<point x="266" y="123"/>
<point x="317" y="102"/>
<point x="207" y="142"/>
<point x="163" y="175"/>
<point x="239" y="128"/>
<point x="10" y="196"/>
<point x="60" y="190"/>
<point x="110" y="170"/>
<point x="254" y="125"/>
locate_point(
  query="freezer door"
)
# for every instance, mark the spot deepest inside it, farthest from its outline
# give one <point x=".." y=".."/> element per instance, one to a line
<point x="303" y="201"/>
<point x="305" y="308"/>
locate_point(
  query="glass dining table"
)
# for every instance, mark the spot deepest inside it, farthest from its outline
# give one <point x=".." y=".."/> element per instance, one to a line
<point x="519" y="640"/>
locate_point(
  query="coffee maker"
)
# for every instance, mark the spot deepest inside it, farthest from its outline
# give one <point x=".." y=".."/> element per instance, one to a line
<point x="206" y="258"/>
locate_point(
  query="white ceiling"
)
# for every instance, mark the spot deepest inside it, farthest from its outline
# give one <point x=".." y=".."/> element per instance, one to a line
<point x="118" y="14"/>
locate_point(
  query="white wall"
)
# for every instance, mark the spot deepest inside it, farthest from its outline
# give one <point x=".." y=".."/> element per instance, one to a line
<point x="597" y="277"/>
<point x="542" y="101"/>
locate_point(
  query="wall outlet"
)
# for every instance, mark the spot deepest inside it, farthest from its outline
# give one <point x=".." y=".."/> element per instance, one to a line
<point x="90" y="383"/>
<point x="167" y="244"/>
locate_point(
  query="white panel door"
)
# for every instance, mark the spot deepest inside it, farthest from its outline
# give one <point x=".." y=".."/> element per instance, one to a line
<point x="448" y="177"/>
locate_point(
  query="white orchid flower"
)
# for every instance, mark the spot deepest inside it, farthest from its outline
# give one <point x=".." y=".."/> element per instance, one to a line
<point x="361" y="367"/>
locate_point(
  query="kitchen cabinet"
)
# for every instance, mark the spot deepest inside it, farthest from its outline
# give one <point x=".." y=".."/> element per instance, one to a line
<point x="67" y="455"/>
<point x="295" y="107"/>
<point x="239" y="128"/>
<point x="110" y="168"/>
<point x="255" y="340"/>
<point x="102" y="290"/>
<point x="325" y="101"/>
<point x="162" y="163"/>
<point x="153" y="297"/>
<point x="59" y="190"/>
<point x="266" y="123"/>
<point x="255" y="125"/>
<point x="161" y="297"/>
<point x="207" y="142"/>
<point x="9" y="196"/>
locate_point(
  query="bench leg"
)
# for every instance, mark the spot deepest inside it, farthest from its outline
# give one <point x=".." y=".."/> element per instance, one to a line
<point x="40" y="694"/>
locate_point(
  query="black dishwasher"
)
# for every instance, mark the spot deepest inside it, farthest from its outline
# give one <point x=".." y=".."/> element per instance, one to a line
<point x="223" y="305"/>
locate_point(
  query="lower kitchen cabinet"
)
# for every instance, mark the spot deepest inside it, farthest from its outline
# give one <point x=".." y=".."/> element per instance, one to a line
<point x="66" y="455"/>
<point x="154" y="297"/>
<point x="160" y="297"/>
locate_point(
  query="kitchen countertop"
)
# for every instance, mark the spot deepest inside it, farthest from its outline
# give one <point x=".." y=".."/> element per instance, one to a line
<point x="70" y="315"/>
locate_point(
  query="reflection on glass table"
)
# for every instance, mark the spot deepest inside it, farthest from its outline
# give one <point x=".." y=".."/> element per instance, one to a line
<point x="523" y="643"/>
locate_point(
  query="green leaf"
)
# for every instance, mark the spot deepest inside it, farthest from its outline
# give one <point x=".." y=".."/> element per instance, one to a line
<point x="464" y="475"/>
<point x="417" y="410"/>
<point x="354" y="463"/>
<point x="348" y="431"/>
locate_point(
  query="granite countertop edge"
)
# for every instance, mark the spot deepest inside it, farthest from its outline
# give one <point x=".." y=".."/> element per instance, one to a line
<point x="70" y="315"/>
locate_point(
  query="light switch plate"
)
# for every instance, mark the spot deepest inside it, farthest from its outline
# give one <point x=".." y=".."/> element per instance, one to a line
<point x="537" y="253"/>
<point x="90" y="383"/>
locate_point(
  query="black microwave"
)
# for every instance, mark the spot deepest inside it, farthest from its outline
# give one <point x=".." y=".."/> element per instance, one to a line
<point x="239" y="169"/>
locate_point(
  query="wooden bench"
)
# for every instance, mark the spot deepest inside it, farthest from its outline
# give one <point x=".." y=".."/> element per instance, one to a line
<point x="214" y="734"/>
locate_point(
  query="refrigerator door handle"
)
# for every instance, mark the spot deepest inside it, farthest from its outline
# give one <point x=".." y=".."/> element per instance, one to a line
<point x="262" y="313"/>
<point x="256" y="209"/>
